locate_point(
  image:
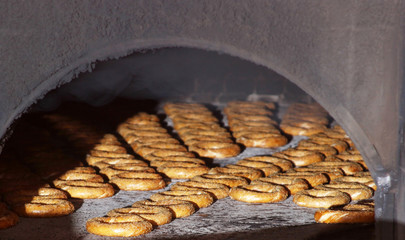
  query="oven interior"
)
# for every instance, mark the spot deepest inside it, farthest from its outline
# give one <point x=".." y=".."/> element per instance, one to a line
<point x="143" y="82"/>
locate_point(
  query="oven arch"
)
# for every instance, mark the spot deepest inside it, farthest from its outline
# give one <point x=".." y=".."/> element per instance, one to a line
<point x="116" y="51"/>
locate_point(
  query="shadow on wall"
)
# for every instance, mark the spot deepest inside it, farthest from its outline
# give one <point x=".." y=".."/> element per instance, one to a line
<point x="173" y="73"/>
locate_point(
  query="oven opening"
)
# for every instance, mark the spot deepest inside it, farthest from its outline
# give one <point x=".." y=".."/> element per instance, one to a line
<point x="59" y="133"/>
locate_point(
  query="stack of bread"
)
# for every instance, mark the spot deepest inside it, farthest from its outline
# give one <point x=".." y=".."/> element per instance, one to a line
<point x="149" y="139"/>
<point x="27" y="194"/>
<point x="77" y="180"/>
<point x="252" y="126"/>
<point x="110" y="157"/>
<point x="304" y="119"/>
<point x="201" y="131"/>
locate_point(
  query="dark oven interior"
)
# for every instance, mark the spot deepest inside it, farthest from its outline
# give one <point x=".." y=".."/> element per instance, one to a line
<point x="64" y="127"/>
<point x="125" y="58"/>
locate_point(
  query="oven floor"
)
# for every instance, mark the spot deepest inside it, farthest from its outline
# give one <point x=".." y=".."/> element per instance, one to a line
<point x="225" y="219"/>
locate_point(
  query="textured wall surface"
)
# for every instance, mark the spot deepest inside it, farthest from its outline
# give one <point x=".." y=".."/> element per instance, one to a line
<point x="346" y="54"/>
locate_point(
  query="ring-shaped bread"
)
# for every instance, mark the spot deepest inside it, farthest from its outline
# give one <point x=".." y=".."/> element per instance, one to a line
<point x="26" y="195"/>
<point x="238" y="170"/>
<point x="193" y="118"/>
<point x="138" y="181"/>
<point x="316" y="198"/>
<point x="180" y="108"/>
<point x="301" y="127"/>
<point x="182" y="170"/>
<point x="107" y="154"/>
<point x="262" y="140"/>
<point x="73" y="176"/>
<point x="312" y="178"/>
<point x="347" y="156"/>
<point x="150" y="141"/>
<point x="173" y="109"/>
<point x="249" y="118"/>
<point x="325" y="150"/>
<point x="332" y="133"/>
<point x="266" y="167"/>
<point x="352" y="213"/>
<point x="203" y="139"/>
<point x="159" y="162"/>
<point x="200" y="127"/>
<point x="283" y="163"/>
<point x="242" y="131"/>
<point x="127" y="129"/>
<point x="320" y="139"/>
<point x="92" y="160"/>
<point x="201" y="199"/>
<point x="109" y="139"/>
<point x="215" y="149"/>
<point x="332" y="173"/>
<point x="81" y="169"/>
<point x="357" y="191"/>
<point x="293" y="185"/>
<point x="359" y="177"/>
<point x="296" y="116"/>
<point x="43" y="208"/>
<point x="166" y="153"/>
<point x="300" y="158"/>
<point x="243" y="112"/>
<point x="190" y="124"/>
<point x="119" y="226"/>
<point x="179" y="208"/>
<point x="142" y="132"/>
<point x="143" y="116"/>
<point x="195" y="134"/>
<point x="259" y="192"/>
<point x="146" y="136"/>
<point x="145" y="150"/>
<point x="226" y="179"/>
<point x="87" y="190"/>
<point x="218" y="190"/>
<point x="349" y="168"/>
<point x="111" y="162"/>
<point x="122" y="168"/>
<point x="236" y="122"/>
<point x="157" y="215"/>
<point x="110" y="148"/>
